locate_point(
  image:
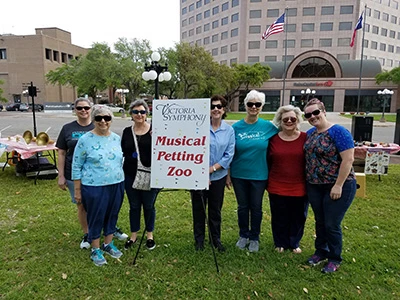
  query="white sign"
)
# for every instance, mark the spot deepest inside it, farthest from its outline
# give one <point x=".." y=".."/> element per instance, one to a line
<point x="180" y="143"/>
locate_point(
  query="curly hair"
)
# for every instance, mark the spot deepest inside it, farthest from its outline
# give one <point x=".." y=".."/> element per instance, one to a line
<point x="277" y="121"/>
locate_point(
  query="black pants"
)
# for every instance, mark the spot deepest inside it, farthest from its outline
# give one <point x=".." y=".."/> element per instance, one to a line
<point x="214" y="197"/>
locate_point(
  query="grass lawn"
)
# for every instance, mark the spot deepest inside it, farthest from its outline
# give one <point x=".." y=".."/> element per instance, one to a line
<point x="390" y="117"/>
<point x="41" y="259"/>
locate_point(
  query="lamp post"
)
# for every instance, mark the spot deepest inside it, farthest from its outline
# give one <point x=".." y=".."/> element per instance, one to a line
<point x="122" y="93"/>
<point x="26" y="93"/>
<point x="308" y="92"/>
<point x="156" y="72"/>
<point x="386" y="94"/>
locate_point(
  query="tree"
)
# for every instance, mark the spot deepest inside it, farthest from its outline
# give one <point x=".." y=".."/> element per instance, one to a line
<point x="389" y="76"/>
<point x="2" y="99"/>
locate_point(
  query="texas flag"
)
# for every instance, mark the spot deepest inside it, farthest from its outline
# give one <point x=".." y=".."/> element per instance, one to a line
<point x="358" y="26"/>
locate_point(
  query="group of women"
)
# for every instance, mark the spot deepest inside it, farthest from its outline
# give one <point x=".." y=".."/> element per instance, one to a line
<point x="252" y="155"/>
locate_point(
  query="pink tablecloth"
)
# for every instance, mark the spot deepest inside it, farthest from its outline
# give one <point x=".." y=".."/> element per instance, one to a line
<point x="23" y="149"/>
<point x="361" y="152"/>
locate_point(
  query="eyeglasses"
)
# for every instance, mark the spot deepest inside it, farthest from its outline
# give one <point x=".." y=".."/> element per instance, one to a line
<point x="135" y="112"/>
<point x="256" y="104"/>
<point x="82" y="107"/>
<point x="291" y="119"/>
<point x="315" y="113"/>
<point x="213" y="106"/>
<point x="105" y="118"/>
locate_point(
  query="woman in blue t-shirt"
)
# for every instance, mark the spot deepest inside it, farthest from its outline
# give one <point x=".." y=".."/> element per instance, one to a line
<point x="331" y="184"/>
<point x="249" y="170"/>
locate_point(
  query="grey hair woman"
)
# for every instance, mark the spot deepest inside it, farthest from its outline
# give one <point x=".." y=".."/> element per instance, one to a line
<point x="284" y="109"/>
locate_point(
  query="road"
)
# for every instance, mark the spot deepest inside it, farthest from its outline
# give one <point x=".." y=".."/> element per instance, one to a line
<point x="12" y="123"/>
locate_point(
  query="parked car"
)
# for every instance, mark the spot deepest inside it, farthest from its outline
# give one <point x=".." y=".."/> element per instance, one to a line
<point x="1" y="107"/>
<point x="114" y="108"/>
<point x="17" y="107"/>
<point x="38" y="106"/>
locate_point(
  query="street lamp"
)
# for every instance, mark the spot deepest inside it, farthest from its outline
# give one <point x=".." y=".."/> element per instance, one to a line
<point x="122" y="93"/>
<point x="384" y="93"/>
<point x="308" y="92"/>
<point x="156" y="72"/>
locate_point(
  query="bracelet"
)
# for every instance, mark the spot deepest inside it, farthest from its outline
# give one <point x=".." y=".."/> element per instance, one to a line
<point x="215" y="170"/>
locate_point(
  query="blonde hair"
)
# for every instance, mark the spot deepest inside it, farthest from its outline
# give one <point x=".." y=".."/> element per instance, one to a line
<point x="277" y="121"/>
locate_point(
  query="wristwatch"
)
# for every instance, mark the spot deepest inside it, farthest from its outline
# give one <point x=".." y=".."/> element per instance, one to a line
<point x="215" y="170"/>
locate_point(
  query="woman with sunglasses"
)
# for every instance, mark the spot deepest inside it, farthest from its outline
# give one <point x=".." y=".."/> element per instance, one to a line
<point x="249" y="170"/>
<point x="286" y="181"/>
<point x="138" y="198"/>
<point x="222" y="147"/>
<point x="99" y="182"/>
<point x="331" y="184"/>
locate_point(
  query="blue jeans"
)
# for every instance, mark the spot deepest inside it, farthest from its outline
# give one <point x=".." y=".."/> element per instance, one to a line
<point x="249" y="196"/>
<point x="328" y="217"/>
<point x="137" y="198"/>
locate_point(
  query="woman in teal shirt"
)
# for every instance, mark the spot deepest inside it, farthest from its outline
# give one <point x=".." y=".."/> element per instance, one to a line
<point x="249" y="170"/>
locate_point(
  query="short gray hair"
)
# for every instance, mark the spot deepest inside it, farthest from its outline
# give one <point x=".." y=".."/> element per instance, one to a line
<point x="284" y="109"/>
<point x="255" y="95"/>
<point x="102" y="110"/>
<point x="81" y="99"/>
<point x="139" y="102"/>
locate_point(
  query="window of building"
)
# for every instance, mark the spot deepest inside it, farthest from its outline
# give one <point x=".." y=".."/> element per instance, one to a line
<point x="214" y="38"/>
<point x="224" y="49"/>
<point x="327" y="10"/>
<point x="199" y="17"/>
<point x="382" y="47"/>
<point x="235" y="17"/>
<point x="191" y="7"/>
<point x="325" y="42"/>
<point x="382" y="61"/>
<point x="377" y="14"/>
<point x="366" y="43"/>
<point x="255" y="29"/>
<point x="308" y="11"/>
<point x="385" y="17"/>
<point x="206" y="27"/>
<point x="206" y="40"/>
<point x="199" y="3"/>
<point x="184" y="10"/>
<point x="307" y="27"/>
<point x="291" y="12"/>
<point x="255" y="14"/>
<point x="313" y="67"/>
<point x="368" y="12"/>
<point x="234" y="47"/>
<point x="343" y="56"/>
<point x="374" y="45"/>
<point x="375" y="29"/>
<point x="48" y="53"/>
<point x="389" y="63"/>
<point x="253" y="59"/>
<point x="214" y="52"/>
<point x="198" y="30"/>
<point x="391" y="48"/>
<point x="270" y="58"/>
<point x="346" y="9"/>
<point x="233" y="61"/>
<point x="345" y="25"/>
<point x="254" y="45"/>
<point x="288" y="58"/>
<point x="191" y="20"/>
<point x="191" y="32"/>
<point x="290" y="28"/>
<point x="215" y="10"/>
<point x="215" y="24"/>
<point x="326" y="26"/>
<point x="235" y="3"/>
<point x="234" y="32"/>
<point x="206" y="2"/>
<point x="224" y="35"/>
<point x="223" y="62"/>
<point x="397" y="50"/>
<point x="343" y="42"/>
<point x="271" y="44"/>
<point x="184" y="35"/>
<point x="367" y="27"/>
<point x="3" y="53"/>
<point x="398" y="35"/>
<point x="70" y="57"/>
<point x="372" y="57"/>
<point x="254" y="1"/>
<point x="225" y="6"/>
<point x="392" y="34"/>
<point x="207" y="14"/>
<point x="273" y="13"/>
<point x="64" y="58"/>
<point x="307" y="43"/>
<point x="184" y="23"/>
<point x="289" y="43"/>
<point x="198" y="42"/>
<point x="383" y="31"/>
<point x="224" y="21"/>
<point x="393" y="19"/>
<point x="183" y="1"/>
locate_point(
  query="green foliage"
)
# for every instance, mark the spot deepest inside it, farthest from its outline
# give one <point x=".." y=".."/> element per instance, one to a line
<point x="389" y="76"/>
<point x="41" y="259"/>
<point x="2" y="99"/>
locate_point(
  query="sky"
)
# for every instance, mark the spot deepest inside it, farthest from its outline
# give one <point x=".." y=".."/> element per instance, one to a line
<point x="91" y="21"/>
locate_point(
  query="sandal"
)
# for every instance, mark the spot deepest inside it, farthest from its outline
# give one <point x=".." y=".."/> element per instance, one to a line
<point x="297" y="250"/>
<point x="279" y="249"/>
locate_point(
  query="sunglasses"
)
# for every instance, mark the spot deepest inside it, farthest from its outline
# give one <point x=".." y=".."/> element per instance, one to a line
<point x="315" y="113"/>
<point x="256" y="104"/>
<point x="135" y="112"/>
<point x="105" y="118"/>
<point x="82" y="107"/>
<point x="291" y="119"/>
<point x="213" y="106"/>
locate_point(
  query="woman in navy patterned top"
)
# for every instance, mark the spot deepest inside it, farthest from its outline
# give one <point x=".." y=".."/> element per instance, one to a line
<point x="331" y="184"/>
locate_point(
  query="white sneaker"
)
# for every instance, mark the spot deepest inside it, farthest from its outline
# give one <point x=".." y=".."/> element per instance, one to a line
<point x="120" y="235"/>
<point x="84" y="243"/>
<point x="253" y="246"/>
<point x="242" y="243"/>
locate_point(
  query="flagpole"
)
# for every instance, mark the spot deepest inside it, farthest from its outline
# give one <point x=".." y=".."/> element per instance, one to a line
<point x="284" y="63"/>
<point x="361" y="62"/>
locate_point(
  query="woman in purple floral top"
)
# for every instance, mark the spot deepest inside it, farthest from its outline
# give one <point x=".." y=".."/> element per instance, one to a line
<point x="331" y="184"/>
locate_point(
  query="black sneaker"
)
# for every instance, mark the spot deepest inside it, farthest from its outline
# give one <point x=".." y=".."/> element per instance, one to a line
<point x="218" y="245"/>
<point x="199" y="246"/>
<point x="150" y="244"/>
<point x="129" y="243"/>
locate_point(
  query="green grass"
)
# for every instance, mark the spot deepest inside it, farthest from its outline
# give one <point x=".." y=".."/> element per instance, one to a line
<point x="41" y="259"/>
<point x="389" y="117"/>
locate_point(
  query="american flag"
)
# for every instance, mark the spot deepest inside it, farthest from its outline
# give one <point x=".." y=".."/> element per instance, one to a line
<point x="358" y="26"/>
<point x="276" y="27"/>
